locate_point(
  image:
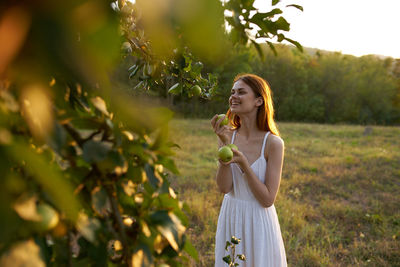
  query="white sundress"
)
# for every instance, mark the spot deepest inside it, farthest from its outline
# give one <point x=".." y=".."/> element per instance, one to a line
<point x="243" y="216"/>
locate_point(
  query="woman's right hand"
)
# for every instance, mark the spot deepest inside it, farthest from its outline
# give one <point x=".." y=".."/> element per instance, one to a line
<point x="222" y="131"/>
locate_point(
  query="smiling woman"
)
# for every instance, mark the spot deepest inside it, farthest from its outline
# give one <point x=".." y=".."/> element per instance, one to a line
<point x="246" y="85"/>
<point x="250" y="188"/>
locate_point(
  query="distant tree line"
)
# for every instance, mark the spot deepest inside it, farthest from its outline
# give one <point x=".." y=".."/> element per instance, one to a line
<point x="314" y="86"/>
<point x="331" y="87"/>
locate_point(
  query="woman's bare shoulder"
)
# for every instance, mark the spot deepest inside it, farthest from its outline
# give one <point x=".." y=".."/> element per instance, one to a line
<point x="276" y="140"/>
<point x="274" y="143"/>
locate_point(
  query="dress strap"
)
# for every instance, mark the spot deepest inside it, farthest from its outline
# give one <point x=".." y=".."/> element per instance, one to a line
<point x="263" y="146"/>
<point x="233" y="136"/>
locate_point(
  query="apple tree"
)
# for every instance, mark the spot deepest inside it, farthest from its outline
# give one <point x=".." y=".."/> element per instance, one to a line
<point x="167" y="41"/>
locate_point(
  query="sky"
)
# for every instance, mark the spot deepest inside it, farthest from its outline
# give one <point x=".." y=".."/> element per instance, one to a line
<point x="357" y="27"/>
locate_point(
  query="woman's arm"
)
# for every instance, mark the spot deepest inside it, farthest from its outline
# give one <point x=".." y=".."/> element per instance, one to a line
<point x="266" y="193"/>
<point x="224" y="173"/>
<point x="224" y="178"/>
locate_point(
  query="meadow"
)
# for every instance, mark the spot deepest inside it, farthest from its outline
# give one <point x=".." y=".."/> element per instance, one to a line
<point x="339" y="199"/>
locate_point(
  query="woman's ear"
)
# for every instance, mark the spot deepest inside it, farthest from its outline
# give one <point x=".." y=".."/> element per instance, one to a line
<point x="259" y="101"/>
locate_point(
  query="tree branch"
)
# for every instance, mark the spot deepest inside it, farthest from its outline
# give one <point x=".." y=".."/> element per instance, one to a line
<point x="117" y="215"/>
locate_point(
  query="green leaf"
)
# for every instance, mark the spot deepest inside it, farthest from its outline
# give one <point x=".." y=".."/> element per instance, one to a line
<point x="154" y="181"/>
<point x="258" y="17"/>
<point x="141" y="257"/>
<point x="171" y="144"/>
<point x="88" y="226"/>
<point x="169" y="164"/>
<point x="100" y="104"/>
<point x="235" y="240"/>
<point x="297" y="44"/>
<point x="247" y="4"/>
<point x="296" y="6"/>
<point x="188" y="63"/>
<point x="191" y="250"/>
<point x="175" y="89"/>
<point x="230" y="20"/>
<point x="274" y="2"/>
<point x="100" y="201"/>
<point x="116" y="158"/>
<point x="268" y="26"/>
<point x="241" y="257"/>
<point x="197" y="67"/>
<point x="24" y="253"/>
<point x="259" y="50"/>
<point x="227" y="245"/>
<point x="169" y="226"/>
<point x="58" y="138"/>
<point x="282" y="24"/>
<point x="168" y="202"/>
<point x="133" y="72"/>
<point x="281" y="37"/>
<point x="50" y="178"/>
<point x="132" y="67"/>
<point x="161" y="139"/>
<point x="95" y="151"/>
<point x="272" y="48"/>
<point x="227" y="259"/>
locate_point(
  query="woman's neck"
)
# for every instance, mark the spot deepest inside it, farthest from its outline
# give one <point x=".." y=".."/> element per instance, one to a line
<point x="248" y="126"/>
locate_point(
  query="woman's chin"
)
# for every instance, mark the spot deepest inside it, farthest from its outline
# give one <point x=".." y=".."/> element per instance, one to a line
<point x="235" y="110"/>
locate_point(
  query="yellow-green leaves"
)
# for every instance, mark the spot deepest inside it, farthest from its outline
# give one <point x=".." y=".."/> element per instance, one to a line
<point x="49" y="177"/>
<point x="37" y="110"/>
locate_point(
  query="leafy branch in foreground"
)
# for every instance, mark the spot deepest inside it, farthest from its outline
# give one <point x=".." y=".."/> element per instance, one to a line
<point x="84" y="167"/>
<point x="93" y="190"/>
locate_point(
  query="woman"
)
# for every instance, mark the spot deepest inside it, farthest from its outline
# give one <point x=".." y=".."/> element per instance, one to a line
<point x="250" y="187"/>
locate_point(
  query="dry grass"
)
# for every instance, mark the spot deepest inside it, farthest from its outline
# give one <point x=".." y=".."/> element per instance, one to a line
<point x="338" y="203"/>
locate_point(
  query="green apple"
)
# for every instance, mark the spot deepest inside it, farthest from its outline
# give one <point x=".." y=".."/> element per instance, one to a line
<point x="49" y="217"/>
<point x="196" y="90"/>
<point x="225" y="153"/>
<point x="225" y="121"/>
<point x="233" y="146"/>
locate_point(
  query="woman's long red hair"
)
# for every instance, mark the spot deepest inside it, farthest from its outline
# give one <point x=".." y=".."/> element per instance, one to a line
<point x="265" y="113"/>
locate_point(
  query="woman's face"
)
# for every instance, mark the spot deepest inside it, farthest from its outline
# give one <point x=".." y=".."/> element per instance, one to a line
<point x="243" y="99"/>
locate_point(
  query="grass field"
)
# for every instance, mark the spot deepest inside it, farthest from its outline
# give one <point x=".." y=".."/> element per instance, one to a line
<point x="339" y="198"/>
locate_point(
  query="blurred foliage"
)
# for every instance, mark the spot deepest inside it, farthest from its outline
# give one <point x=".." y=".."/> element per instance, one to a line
<point x="85" y="166"/>
<point x="315" y="86"/>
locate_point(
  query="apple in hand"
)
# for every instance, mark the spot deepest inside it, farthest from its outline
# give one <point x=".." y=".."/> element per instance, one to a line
<point x="233" y="146"/>
<point x="225" y="121"/>
<point x="225" y="154"/>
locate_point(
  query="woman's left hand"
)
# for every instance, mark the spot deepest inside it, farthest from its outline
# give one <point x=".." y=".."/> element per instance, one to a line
<point x="238" y="158"/>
